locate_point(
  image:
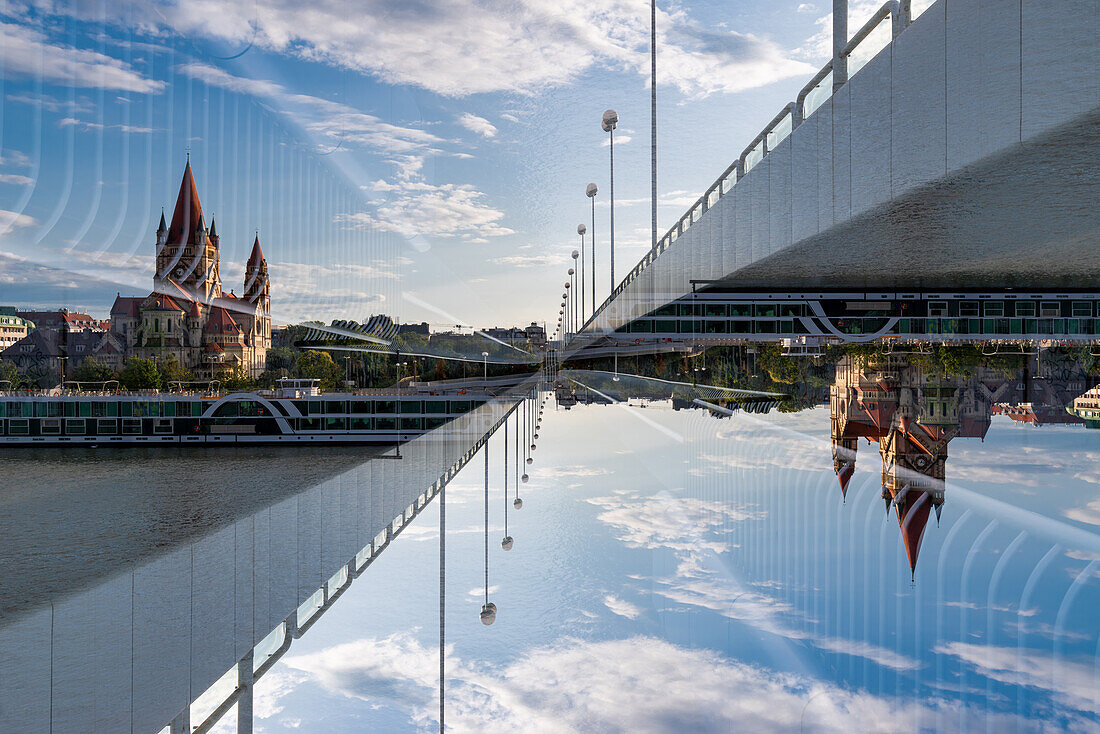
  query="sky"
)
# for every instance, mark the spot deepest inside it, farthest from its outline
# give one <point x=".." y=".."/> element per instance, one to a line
<point x="427" y="160"/>
<point x="676" y="572"/>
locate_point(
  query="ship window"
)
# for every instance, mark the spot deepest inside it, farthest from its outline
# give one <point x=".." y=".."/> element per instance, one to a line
<point x="334" y="424"/>
<point x="127" y="408"/>
<point x="169" y="409"/>
<point x="385" y="424"/>
<point x="18" y="427"/>
<point x="99" y="409"/>
<point x="226" y="410"/>
<point x="309" y="424"/>
<point x="302" y="406"/>
<point x="1050" y="309"/>
<point x="1082" y="308"/>
<point x="361" y="424"/>
<point x="430" y="423"/>
<point x="131" y="426"/>
<point x="937" y="308"/>
<point x="435" y="406"/>
<point x="50" y="426"/>
<point x="74" y="427"/>
<point x="336" y="406"/>
<point x="162" y="425"/>
<point x="106" y="426"/>
<point x="363" y="407"/>
<point x="69" y="409"/>
<point x="994" y="308"/>
<point x="410" y="406"/>
<point x="385" y="406"/>
<point x="85" y="410"/>
<point x="968" y="308"/>
<point x="183" y="409"/>
<point x="315" y="407"/>
<point x="1025" y="308"/>
<point x="410" y="424"/>
<point x="460" y="406"/>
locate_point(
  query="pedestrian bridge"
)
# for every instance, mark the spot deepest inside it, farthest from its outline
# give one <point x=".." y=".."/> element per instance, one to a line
<point x="962" y="153"/>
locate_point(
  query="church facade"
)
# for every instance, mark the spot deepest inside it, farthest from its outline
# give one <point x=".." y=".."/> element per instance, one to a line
<point x="189" y="316"/>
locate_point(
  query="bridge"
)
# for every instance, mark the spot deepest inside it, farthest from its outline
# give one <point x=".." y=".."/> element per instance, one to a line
<point x="961" y="155"/>
<point x="167" y="630"/>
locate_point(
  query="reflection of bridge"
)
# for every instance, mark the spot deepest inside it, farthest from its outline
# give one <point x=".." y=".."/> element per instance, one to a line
<point x="961" y="154"/>
<point x="175" y="623"/>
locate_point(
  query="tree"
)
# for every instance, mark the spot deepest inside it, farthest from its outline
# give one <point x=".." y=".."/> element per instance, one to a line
<point x="171" y="371"/>
<point x="235" y="379"/>
<point x="139" y="374"/>
<point x="92" y="371"/>
<point x="280" y="358"/>
<point x="320" y="365"/>
<point x="9" y="373"/>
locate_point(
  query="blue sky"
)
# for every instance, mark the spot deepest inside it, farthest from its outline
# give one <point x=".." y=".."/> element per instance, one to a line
<point x="382" y="149"/>
<point x="664" y="585"/>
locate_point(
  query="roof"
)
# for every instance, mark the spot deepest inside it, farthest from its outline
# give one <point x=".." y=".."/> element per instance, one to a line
<point x="221" y="322"/>
<point x="187" y="216"/>
<point x="912" y="519"/>
<point x="126" y="306"/>
<point x="160" y="302"/>
<point x="257" y="255"/>
<point x="212" y="348"/>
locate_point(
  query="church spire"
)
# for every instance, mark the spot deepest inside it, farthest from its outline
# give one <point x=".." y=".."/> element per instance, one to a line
<point x="187" y="216"/>
<point x="162" y="227"/>
<point x="213" y="230"/>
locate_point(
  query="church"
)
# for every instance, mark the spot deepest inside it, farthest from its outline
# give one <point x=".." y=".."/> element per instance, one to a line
<point x="188" y="316"/>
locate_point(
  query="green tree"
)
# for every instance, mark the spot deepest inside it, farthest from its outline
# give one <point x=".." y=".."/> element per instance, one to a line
<point x="92" y="371"/>
<point x="320" y="365"/>
<point x="235" y="379"/>
<point x="139" y="374"/>
<point x="171" y="371"/>
<point x="281" y="358"/>
<point x="9" y="373"/>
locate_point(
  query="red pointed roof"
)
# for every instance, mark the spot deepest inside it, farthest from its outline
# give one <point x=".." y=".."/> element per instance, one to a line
<point x="257" y="254"/>
<point x="160" y="302"/>
<point x="212" y="348"/>
<point x="187" y="216"/>
<point x="912" y="517"/>
<point x="844" y="473"/>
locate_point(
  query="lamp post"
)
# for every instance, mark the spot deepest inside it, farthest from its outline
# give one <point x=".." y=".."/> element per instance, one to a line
<point x="610" y="121"/>
<point x="572" y="301"/>
<point x="577" y="282"/>
<point x="591" y="192"/>
<point x="581" y="229"/>
<point x="485" y="364"/>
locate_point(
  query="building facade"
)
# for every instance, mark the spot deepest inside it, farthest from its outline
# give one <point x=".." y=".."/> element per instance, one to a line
<point x="188" y="316"/>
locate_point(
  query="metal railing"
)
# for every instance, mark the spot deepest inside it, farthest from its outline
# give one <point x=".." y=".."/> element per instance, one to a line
<point x="764" y="142"/>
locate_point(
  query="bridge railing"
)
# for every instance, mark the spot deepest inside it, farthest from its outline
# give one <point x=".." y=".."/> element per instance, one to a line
<point x="809" y="98"/>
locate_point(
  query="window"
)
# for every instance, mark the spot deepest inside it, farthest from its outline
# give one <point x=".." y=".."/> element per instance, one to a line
<point x="74" y="426"/>
<point x="1050" y="309"/>
<point x="20" y="427"/>
<point x="50" y="426"/>
<point x="1082" y="308"/>
<point x="1025" y="308"/>
<point x="131" y="426"/>
<point x="106" y="426"/>
<point x="968" y="308"/>
<point x="937" y="308"/>
<point x="162" y="425"/>
<point x="995" y="308"/>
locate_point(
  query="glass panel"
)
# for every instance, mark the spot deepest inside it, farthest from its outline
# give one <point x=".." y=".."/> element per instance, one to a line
<point x="817" y="96"/>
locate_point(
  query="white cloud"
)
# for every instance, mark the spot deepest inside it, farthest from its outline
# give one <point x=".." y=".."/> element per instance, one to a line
<point x="1089" y="514"/>
<point x="622" y="607"/>
<point x="619" y="140"/>
<point x="16" y="179"/>
<point x="14" y="220"/>
<point x="26" y="52"/>
<point x="15" y="158"/>
<point x="676" y="523"/>
<point x="85" y="125"/>
<point x="418" y="209"/>
<point x="527" y="261"/>
<point x="806" y="8"/>
<point x="640" y="684"/>
<point x="1071" y="683"/>
<point x="478" y="125"/>
<point x="473" y="46"/>
<point x="52" y="104"/>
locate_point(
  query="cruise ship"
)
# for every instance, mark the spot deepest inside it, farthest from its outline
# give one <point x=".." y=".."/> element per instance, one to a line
<point x="296" y="412"/>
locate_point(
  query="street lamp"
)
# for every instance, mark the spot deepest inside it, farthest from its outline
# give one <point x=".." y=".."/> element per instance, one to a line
<point x="591" y="192"/>
<point x="581" y="229"/>
<point x="610" y="121"/>
<point x="576" y="254"/>
<point x="485" y="363"/>
<point x="572" y="302"/>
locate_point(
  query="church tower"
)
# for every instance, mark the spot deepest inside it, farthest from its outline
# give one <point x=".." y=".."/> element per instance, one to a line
<point x="187" y="253"/>
<point x="257" y="306"/>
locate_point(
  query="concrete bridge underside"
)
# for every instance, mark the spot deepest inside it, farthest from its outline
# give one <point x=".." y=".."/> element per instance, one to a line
<point x="964" y="153"/>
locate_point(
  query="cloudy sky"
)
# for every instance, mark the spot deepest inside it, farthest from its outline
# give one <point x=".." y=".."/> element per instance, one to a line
<point x="645" y="596"/>
<point x="424" y="159"/>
